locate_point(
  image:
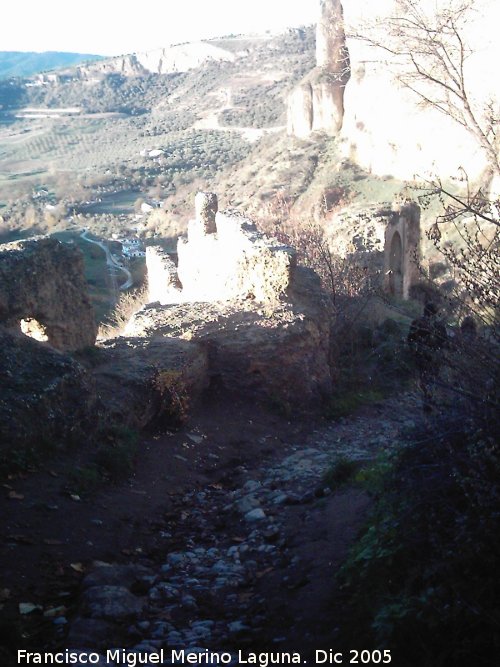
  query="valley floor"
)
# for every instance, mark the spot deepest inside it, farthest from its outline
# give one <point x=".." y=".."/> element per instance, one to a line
<point x="227" y="537"/>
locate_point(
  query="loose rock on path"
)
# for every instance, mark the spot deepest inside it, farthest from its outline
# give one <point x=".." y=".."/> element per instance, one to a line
<point x="247" y="562"/>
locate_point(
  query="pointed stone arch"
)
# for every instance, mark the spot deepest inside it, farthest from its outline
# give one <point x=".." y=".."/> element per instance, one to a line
<point x="396" y="266"/>
<point x="402" y="251"/>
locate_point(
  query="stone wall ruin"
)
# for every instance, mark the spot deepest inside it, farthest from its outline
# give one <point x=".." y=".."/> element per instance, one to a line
<point x="43" y="293"/>
<point x="223" y="258"/>
<point x="402" y="251"/>
<point x="240" y="299"/>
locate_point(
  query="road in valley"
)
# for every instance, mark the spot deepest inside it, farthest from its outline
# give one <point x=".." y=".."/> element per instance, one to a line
<point x="110" y="260"/>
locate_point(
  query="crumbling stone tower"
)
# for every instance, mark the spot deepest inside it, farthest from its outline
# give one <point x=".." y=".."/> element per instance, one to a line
<point x="223" y="257"/>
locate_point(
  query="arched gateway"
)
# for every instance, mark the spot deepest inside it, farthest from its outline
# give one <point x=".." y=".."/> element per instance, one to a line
<point x="402" y="251"/>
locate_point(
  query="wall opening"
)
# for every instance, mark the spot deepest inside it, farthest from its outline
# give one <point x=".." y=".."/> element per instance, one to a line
<point x="396" y="266"/>
<point x="34" y="329"/>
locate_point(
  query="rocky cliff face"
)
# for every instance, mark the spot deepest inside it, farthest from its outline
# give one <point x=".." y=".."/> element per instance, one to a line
<point x="179" y="58"/>
<point x="386" y="129"/>
<point x="43" y="292"/>
<point x="331" y="50"/>
<point x="127" y="65"/>
<point x="356" y="91"/>
<point x="317" y="102"/>
<point x="182" y="57"/>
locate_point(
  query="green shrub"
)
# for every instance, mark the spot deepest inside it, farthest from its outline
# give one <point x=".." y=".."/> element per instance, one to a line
<point x="85" y="479"/>
<point x="341" y="472"/>
<point x="423" y="578"/>
<point x="172" y="397"/>
<point x="346" y="403"/>
<point x="116" y="455"/>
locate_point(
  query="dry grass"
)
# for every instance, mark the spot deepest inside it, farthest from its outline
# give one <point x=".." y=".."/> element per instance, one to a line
<point x="128" y="304"/>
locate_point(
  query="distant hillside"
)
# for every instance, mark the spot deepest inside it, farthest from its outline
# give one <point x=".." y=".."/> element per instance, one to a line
<point x="21" y="63"/>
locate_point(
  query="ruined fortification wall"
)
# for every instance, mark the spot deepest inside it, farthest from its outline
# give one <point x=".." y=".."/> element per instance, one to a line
<point x="46" y="397"/>
<point x="42" y="285"/>
<point x="239" y="297"/>
<point x="223" y="258"/>
<point x="163" y="281"/>
<point x="402" y="251"/>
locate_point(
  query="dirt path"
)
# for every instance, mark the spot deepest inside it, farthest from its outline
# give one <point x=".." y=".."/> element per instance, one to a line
<point x="227" y="527"/>
<point x="211" y="121"/>
<point x="251" y="134"/>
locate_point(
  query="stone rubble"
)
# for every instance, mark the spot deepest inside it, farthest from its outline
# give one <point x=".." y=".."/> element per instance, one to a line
<point x="220" y="544"/>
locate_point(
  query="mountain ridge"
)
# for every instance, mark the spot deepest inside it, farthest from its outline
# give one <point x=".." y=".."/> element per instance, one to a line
<point x="29" y="63"/>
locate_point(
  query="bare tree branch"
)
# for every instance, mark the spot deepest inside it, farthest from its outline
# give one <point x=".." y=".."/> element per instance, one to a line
<point x="429" y="55"/>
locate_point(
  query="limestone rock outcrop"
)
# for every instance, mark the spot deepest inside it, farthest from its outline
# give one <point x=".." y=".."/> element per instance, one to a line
<point x="183" y="57"/>
<point x="43" y="288"/>
<point x="386" y="127"/>
<point x="177" y="58"/>
<point x="317" y="103"/>
<point x="127" y="65"/>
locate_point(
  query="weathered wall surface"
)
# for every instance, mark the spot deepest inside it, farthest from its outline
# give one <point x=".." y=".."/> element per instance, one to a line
<point x="235" y="262"/>
<point x="278" y="354"/>
<point x="47" y="399"/>
<point x="144" y="382"/>
<point x="262" y="320"/>
<point x="317" y="104"/>
<point x="43" y="279"/>
<point x="384" y="240"/>
<point x="163" y="281"/>
<point x="402" y="251"/>
<point x="224" y="257"/>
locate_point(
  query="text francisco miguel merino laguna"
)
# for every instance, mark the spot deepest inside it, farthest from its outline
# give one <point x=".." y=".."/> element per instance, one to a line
<point x="181" y="656"/>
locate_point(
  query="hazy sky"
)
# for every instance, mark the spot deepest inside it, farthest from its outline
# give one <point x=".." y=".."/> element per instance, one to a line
<point x="122" y="26"/>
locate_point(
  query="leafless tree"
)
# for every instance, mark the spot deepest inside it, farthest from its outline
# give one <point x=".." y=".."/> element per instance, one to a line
<point x="474" y="257"/>
<point x="428" y="52"/>
<point x="426" y="47"/>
